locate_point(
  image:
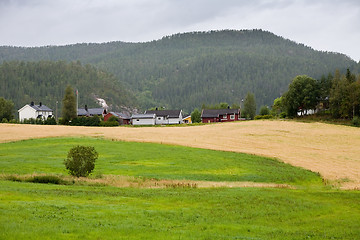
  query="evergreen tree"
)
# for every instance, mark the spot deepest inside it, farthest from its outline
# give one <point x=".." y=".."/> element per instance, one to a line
<point x="69" y="110"/>
<point x="250" y="106"/>
<point x="6" y="109"/>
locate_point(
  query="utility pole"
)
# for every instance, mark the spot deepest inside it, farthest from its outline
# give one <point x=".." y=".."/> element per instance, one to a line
<point x="56" y="116"/>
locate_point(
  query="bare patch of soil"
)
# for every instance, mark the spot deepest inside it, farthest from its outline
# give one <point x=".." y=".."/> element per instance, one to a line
<point x="331" y="150"/>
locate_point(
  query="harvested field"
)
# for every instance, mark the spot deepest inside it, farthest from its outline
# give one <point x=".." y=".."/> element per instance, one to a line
<point x="331" y="150"/>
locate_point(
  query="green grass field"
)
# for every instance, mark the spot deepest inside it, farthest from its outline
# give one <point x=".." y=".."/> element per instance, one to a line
<point x="48" y="211"/>
<point x="150" y="161"/>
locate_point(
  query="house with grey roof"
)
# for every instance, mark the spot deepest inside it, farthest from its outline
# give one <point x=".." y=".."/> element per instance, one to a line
<point x="34" y="111"/>
<point x="164" y="117"/>
<point x="90" y="112"/>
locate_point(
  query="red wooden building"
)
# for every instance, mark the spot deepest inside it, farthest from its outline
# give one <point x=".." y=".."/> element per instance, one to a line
<point x="220" y="115"/>
<point x="123" y="118"/>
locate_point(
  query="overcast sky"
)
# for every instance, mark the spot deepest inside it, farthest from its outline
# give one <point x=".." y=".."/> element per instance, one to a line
<point x="328" y="25"/>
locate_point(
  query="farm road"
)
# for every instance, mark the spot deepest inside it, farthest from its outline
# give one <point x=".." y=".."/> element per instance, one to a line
<point x="331" y="150"/>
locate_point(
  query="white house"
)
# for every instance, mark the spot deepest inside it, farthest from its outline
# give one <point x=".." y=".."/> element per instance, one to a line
<point x="167" y="116"/>
<point x="143" y="119"/>
<point x="34" y="111"/>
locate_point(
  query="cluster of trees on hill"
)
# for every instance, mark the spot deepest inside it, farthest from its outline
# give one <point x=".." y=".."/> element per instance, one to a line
<point x="188" y="70"/>
<point x="338" y="95"/>
<point x="45" y="81"/>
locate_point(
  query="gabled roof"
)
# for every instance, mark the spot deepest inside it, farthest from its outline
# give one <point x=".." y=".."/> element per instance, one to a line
<point x="90" y="111"/>
<point x="209" y="113"/>
<point x="120" y="115"/>
<point x="165" y="113"/>
<point x="143" y="116"/>
<point x="38" y="108"/>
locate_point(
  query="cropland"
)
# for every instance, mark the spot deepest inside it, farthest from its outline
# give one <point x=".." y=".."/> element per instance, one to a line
<point x="244" y="180"/>
<point x="331" y="150"/>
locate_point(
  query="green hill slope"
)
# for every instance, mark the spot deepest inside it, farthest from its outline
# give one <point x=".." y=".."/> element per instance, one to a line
<point x="187" y="70"/>
<point x="45" y="81"/>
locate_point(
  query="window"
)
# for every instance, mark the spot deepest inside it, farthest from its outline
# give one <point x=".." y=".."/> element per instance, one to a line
<point x="232" y="117"/>
<point x="224" y="116"/>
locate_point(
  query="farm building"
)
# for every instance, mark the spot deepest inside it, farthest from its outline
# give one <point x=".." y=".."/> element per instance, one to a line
<point x="187" y="120"/>
<point x="143" y="119"/>
<point x="167" y="116"/>
<point x="34" y="111"/>
<point x="122" y="118"/>
<point x="89" y="112"/>
<point x="220" y="115"/>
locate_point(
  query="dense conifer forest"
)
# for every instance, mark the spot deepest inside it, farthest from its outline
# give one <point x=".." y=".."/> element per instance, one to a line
<point x="183" y="70"/>
<point x="45" y="81"/>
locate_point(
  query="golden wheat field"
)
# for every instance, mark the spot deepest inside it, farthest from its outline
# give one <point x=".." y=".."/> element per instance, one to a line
<point x="331" y="150"/>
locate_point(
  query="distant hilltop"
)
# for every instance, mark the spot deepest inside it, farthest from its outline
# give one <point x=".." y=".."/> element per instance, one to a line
<point x="186" y="70"/>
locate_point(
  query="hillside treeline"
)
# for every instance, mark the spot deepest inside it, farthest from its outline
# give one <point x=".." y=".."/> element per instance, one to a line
<point x="45" y="81"/>
<point x="191" y="69"/>
<point x="338" y="95"/>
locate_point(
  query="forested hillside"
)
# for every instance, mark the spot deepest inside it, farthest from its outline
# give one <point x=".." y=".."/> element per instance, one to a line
<point x="191" y="69"/>
<point x="45" y="81"/>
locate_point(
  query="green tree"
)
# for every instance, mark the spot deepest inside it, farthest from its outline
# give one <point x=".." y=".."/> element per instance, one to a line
<point x="69" y="110"/>
<point x="196" y="116"/>
<point x="249" y="106"/>
<point x="80" y="161"/>
<point x="278" y="106"/>
<point x="303" y="95"/>
<point x="6" y="109"/>
<point x="264" y="110"/>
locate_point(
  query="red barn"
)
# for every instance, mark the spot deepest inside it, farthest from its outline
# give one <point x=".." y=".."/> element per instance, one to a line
<point x="220" y="115"/>
<point x="123" y="119"/>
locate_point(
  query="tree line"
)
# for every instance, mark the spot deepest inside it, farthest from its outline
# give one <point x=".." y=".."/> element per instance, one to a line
<point x="337" y="95"/>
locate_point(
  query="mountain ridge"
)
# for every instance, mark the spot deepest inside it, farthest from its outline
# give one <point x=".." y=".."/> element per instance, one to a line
<point x="187" y="70"/>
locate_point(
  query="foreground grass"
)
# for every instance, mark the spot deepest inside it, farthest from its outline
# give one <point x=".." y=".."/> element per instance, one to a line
<point x="42" y="211"/>
<point x="150" y="161"/>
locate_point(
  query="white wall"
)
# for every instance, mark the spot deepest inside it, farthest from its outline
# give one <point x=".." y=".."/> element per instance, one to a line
<point x="143" y="121"/>
<point x="27" y="112"/>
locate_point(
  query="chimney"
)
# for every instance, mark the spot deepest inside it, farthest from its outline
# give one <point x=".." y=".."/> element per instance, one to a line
<point x="40" y="104"/>
<point x="228" y="107"/>
<point x="32" y="104"/>
<point x="86" y="108"/>
<point x="156" y="109"/>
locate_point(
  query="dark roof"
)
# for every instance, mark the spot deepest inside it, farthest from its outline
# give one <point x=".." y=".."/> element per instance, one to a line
<point x="208" y="113"/>
<point x="41" y="108"/>
<point x="90" y="111"/>
<point x="120" y="115"/>
<point x="164" y="113"/>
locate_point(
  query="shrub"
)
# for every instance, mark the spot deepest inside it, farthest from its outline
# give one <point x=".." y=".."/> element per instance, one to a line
<point x="80" y="161"/>
<point x="45" y="179"/>
<point x="356" y="121"/>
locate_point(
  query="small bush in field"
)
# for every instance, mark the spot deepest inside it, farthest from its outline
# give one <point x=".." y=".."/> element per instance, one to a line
<point x="80" y="161"/>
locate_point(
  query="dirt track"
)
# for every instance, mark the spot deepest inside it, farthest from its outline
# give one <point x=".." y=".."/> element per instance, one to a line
<point x="331" y="150"/>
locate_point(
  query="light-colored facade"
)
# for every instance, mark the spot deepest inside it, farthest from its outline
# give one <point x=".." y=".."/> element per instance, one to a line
<point x="143" y="119"/>
<point x="34" y="111"/>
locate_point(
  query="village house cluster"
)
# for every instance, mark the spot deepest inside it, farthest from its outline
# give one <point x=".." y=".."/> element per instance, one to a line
<point x="149" y="117"/>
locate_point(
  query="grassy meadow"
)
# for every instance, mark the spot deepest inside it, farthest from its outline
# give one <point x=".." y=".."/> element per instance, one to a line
<point x="309" y="210"/>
